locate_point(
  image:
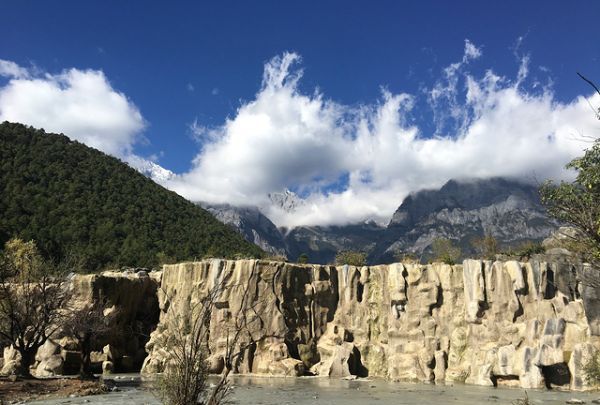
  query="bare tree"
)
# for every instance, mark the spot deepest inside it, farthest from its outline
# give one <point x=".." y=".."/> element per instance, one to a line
<point x="32" y="293"/>
<point x="591" y="83"/>
<point x="86" y="324"/>
<point x="485" y="246"/>
<point x="185" y="378"/>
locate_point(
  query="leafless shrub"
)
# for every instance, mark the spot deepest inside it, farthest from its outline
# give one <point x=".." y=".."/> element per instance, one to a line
<point x="86" y="324"/>
<point x="185" y="378"/>
<point x="522" y="401"/>
<point x="32" y="293"/>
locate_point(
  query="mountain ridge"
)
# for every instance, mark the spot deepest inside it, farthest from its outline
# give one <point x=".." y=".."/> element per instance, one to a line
<point x="461" y="210"/>
<point x="75" y="200"/>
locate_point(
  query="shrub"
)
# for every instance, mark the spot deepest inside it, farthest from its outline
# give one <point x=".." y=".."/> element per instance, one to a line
<point x="527" y="249"/>
<point x="406" y="257"/>
<point x="486" y="247"/>
<point x="443" y="250"/>
<point x="591" y="369"/>
<point x="351" y="258"/>
<point x="522" y="401"/>
<point x="303" y="258"/>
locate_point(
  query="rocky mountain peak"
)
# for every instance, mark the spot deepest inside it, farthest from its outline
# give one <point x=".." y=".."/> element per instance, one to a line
<point x="150" y="169"/>
<point x="288" y="201"/>
<point x="465" y="195"/>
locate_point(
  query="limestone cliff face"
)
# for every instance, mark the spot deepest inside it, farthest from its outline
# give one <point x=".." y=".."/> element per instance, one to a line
<point x="129" y="300"/>
<point x="523" y="324"/>
<point x="527" y="324"/>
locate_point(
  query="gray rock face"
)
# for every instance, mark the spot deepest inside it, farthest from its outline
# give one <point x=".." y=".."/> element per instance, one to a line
<point x="252" y="224"/>
<point x="506" y="209"/>
<point x="287" y="201"/>
<point x="322" y="243"/>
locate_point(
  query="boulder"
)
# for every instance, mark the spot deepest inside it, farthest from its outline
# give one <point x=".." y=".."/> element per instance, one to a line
<point x="50" y="366"/>
<point x="12" y="361"/>
<point x="108" y="367"/>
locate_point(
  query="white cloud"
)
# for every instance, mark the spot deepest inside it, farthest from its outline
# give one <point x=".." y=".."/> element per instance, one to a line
<point x="12" y="70"/>
<point x="351" y="162"/>
<point x="286" y="139"/>
<point x="471" y="51"/>
<point x="444" y="96"/>
<point x="79" y="103"/>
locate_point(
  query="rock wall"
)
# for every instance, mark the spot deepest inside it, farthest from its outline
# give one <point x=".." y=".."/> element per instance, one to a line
<point x="527" y="324"/>
<point x="530" y="325"/>
<point x="130" y="301"/>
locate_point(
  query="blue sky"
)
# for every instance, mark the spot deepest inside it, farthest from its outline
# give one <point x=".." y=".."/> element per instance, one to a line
<point x="192" y="62"/>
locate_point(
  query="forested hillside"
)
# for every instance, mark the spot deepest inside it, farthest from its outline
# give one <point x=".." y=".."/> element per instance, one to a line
<point x="76" y="201"/>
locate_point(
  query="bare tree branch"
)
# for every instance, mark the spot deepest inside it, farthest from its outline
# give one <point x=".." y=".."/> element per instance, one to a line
<point x="589" y="82"/>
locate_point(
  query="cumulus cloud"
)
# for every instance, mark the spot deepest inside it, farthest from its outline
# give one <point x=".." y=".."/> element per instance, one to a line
<point x="79" y="103"/>
<point x="356" y="163"/>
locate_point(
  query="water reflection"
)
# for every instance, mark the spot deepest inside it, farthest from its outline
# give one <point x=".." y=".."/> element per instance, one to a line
<point x="313" y="390"/>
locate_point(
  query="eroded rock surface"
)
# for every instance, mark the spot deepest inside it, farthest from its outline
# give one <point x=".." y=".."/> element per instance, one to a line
<point x="130" y="299"/>
<point x="524" y="324"/>
<point x="488" y="323"/>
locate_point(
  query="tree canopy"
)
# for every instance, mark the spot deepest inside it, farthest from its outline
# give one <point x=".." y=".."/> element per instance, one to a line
<point x="350" y="257"/>
<point x="76" y="201"/>
<point x="578" y="203"/>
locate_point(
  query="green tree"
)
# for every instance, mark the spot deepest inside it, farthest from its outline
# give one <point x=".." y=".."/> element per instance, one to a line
<point x="443" y="250"/>
<point x="75" y="200"/>
<point x="353" y="258"/>
<point x="303" y="258"/>
<point x="578" y="203"/>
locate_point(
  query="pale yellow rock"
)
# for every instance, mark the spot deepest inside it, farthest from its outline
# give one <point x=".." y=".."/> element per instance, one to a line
<point x="12" y="360"/>
<point x="108" y="367"/>
<point x="440" y="366"/>
<point x="480" y="322"/>
<point x="50" y="366"/>
<point x="581" y="355"/>
<point x="474" y="289"/>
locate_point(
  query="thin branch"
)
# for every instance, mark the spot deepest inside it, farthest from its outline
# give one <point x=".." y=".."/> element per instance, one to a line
<point x="589" y="82"/>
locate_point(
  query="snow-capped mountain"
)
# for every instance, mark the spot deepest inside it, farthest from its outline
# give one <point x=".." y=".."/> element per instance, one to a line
<point x="150" y="169"/>
<point x="506" y="209"/>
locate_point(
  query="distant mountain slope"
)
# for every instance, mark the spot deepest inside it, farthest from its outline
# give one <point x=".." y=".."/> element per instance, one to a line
<point x="252" y="224"/>
<point x="322" y="243"/>
<point x="509" y="210"/>
<point x="74" y="199"/>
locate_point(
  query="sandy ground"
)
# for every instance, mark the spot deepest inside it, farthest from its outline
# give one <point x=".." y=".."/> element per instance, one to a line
<point x="37" y="389"/>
